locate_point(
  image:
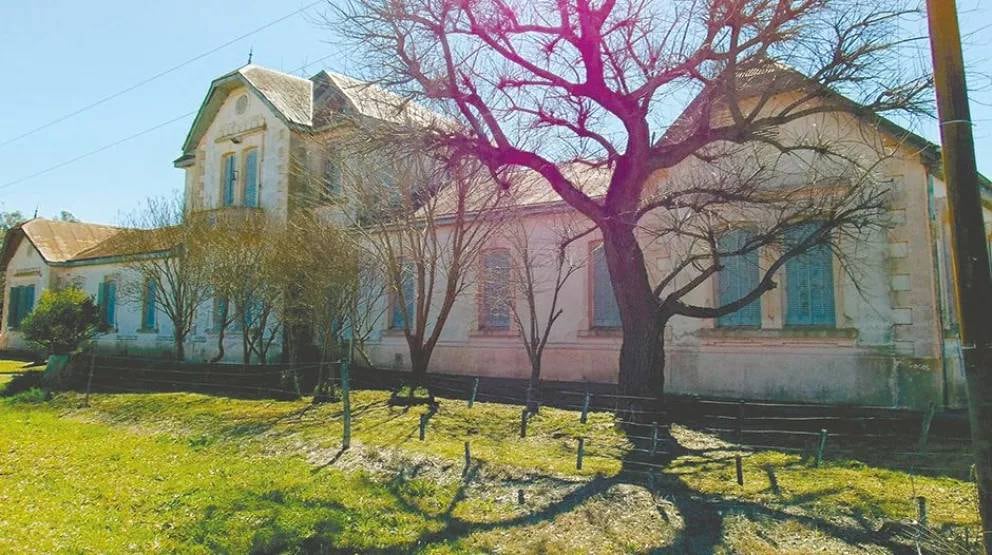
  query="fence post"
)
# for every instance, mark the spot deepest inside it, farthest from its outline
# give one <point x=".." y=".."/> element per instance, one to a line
<point x="822" y="445"/>
<point x="580" y="453"/>
<point x="468" y="459"/>
<point x="740" y="424"/>
<point x="89" y="380"/>
<point x="520" y="496"/>
<point x="925" y="428"/>
<point x="585" y="409"/>
<point x="475" y="389"/>
<point x="523" y="423"/>
<point x="921" y="511"/>
<point x="654" y="438"/>
<point x="740" y="469"/>
<point x="423" y="426"/>
<point x="346" y="402"/>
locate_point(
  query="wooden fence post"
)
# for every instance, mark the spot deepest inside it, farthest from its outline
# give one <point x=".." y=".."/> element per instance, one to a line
<point x="580" y="453"/>
<point x="921" y="511"/>
<point x="925" y="428"/>
<point x="740" y="469"/>
<point x="475" y="390"/>
<point x="740" y="424"/>
<point x="523" y="423"/>
<point x="346" y="403"/>
<point x="520" y="496"/>
<point x="89" y="380"/>
<point x="423" y="426"/>
<point x="585" y="409"/>
<point x="468" y="459"/>
<point x="822" y="445"/>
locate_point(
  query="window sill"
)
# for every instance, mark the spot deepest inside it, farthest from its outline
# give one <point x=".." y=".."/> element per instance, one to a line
<point x="791" y="333"/>
<point x="601" y="332"/>
<point x="494" y="333"/>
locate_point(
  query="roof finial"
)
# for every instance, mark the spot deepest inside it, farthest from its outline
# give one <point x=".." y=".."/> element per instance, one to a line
<point x="35" y="211"/>
<point x="251" y="50"/>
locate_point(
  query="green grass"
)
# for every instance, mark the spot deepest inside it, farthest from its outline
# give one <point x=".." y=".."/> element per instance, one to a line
<point x="173" y="472"/>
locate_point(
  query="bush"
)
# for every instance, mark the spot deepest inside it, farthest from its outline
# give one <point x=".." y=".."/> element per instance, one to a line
<point x="62" y="320"/>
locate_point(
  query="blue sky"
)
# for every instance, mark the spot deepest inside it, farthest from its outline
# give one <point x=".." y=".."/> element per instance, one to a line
<point x="61" y="55"/>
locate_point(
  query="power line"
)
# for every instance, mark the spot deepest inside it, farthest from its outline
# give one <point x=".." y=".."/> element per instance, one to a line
<point x="127" y="138"/>
<point x="156" y="76"/>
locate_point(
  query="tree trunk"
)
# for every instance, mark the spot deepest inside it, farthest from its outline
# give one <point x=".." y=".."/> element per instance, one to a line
<point x="533" y="392"/>
<point x="220" y="345"/>
<point x="180" y="338"/>
<point x="642" y="356"/>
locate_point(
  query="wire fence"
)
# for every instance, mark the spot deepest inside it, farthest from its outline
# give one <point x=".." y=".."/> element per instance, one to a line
<point x="914" y="441"/>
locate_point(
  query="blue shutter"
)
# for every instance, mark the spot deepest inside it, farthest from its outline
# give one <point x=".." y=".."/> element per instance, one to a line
<point x="809" y="284"/>
<point x="605" y="312"/>
<point x="28" y="305"/>
<point x="229" y="180"/>
<point x="251" y="178"/>
<point x="407" y="283"/>
<point x="148" y="310"/>
<point x="101" y="301"/>
<point x="111" y="298"/>
<point x="496" y="290"/>
<point x="738" y="278"/>
<point x="220" y="313"/>
<point x="15" y="307"/>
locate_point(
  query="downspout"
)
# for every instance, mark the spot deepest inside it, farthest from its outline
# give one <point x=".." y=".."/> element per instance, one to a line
<point x="939" y="291"/>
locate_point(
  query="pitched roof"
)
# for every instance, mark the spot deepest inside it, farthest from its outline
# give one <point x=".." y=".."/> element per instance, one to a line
<point x="307" y="103"/>
<point x="59" y="241"/>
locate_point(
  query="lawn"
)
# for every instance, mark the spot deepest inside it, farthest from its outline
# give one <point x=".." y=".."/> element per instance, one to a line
<point x="170" y="472"/>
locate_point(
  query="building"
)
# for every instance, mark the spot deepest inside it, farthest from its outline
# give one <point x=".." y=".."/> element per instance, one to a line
<point x="885" y="338"/>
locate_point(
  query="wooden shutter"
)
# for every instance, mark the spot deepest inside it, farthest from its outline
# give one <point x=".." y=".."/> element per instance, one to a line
<point x="111" y="297"/>
<point x="809" y="283"/>
<point x="251" y="178"/>
<point x="101" y="302"/>
<point x="229" y="180"/>
<point x="605" y="312"/>
<point x="148" y="312"/>
<point x="738" y="278"/>
<point x="15" y="307"/>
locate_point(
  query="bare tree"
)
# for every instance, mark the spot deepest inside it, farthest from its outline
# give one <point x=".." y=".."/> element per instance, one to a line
<point x="423" y="223"/>
<point x="540" y="264"/>
<point x="640" y="89"/>
<point x="245" y="280"/>
<point x="165" y="253"/>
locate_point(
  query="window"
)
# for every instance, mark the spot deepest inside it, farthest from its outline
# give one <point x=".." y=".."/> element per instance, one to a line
<point x="494" y="310"/>
<point x="148" y="306"/>
<point x="251" y="178"/>
<point x="738" y="277"/>
<point x="219" y="315"/>
<point x="107" y="301"/>
<point x="227" y="179"/>
<point x="332" y="176"/>
<point x="809" y="284"/>
<point x="408" y="284"/>
<point x="21" y="304"/>
<point x="605" y="312"/>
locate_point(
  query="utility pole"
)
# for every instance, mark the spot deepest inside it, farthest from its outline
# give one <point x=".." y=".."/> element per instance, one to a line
<point x="973" y="286"/>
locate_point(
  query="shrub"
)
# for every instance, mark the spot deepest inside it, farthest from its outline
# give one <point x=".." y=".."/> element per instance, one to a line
<point x="62" y="320"/>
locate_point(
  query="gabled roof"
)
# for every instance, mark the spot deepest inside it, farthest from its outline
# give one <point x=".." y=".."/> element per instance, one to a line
<point x="306" y="103"/>
<point x="61" y="243"/>
<point x="58" y="241"/>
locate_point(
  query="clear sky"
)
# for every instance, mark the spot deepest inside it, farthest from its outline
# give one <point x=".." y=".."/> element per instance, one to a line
<point x="61" y="55"/>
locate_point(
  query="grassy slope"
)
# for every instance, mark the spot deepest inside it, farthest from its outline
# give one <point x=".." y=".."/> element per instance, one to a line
<point x="166" y="472"/>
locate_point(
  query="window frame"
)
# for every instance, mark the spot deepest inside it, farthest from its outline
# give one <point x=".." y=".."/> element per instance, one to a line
<point x="724" y="322"/>
<point x="224" y="180"/>
<point x="394" y="297"/>
<point x="246" y="175"/>
<point x="482" y="310"/>
<point x="591" y="288"/>
<point x="788" y="318"/>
